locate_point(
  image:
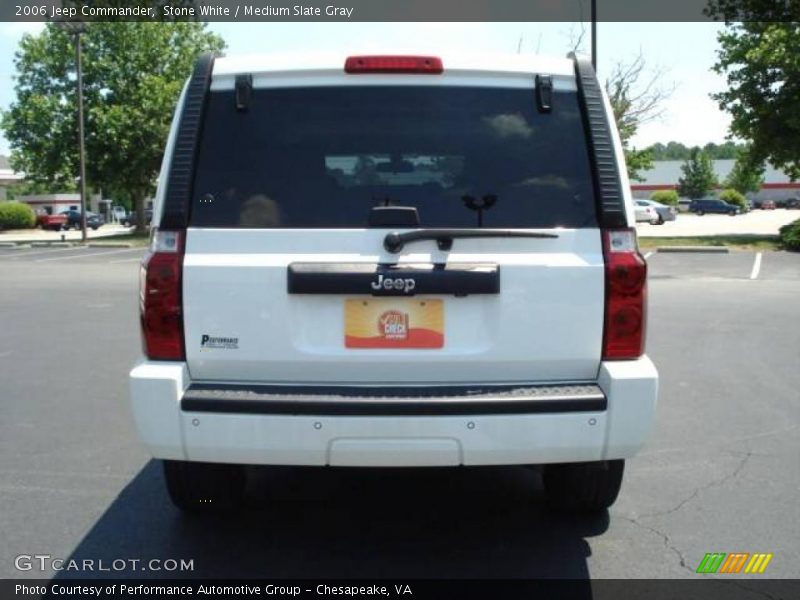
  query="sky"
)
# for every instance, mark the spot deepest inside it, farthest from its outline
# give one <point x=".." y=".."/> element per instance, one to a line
<point x="684" y="52"/>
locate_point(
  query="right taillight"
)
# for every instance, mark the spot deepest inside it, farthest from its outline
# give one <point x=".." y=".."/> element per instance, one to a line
<point x="160" y="302"/>
<point x="626" y="296"/>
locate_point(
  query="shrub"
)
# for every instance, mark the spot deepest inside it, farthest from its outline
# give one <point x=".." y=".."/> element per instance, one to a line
<point x="668" y="197"/>
<point x="731" y="196"/>
<point x="16" y="215"/>
<point x="790" y="236"/>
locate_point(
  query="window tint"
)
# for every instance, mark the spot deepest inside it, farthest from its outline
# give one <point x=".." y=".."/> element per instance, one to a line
<point x="323" y="157"/>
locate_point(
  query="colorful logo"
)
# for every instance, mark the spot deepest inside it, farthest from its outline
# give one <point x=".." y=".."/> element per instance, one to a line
<point x="393" y="325"/>
<point x="720" y="562"/>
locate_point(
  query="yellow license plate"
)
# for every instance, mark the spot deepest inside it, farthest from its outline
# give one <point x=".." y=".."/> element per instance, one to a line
<point x="393" y="323"/>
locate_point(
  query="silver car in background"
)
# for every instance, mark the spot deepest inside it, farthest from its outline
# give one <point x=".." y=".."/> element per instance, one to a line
<point x="662" y="212"/>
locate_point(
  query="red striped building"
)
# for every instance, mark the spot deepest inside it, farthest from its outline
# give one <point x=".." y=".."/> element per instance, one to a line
<point x="666" y="173"/>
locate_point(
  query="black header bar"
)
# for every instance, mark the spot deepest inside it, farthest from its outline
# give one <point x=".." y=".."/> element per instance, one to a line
<point x="266" y="11"/>
<point x="393" y="279"/>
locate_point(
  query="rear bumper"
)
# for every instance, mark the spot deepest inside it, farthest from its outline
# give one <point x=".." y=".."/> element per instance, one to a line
<point x="608" y="420"/>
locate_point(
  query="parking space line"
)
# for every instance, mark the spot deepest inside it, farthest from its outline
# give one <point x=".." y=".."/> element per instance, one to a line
<point x="44" y="251"/>
<point x="125" y="260"/>
<point x="85" y="255"/>
<point x="648" y="255"/>
<point x="756" y="266"/>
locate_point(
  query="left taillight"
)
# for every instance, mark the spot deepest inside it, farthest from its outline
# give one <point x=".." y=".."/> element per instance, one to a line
<point x="160" y="302"/>
<point x="626" y="296"/>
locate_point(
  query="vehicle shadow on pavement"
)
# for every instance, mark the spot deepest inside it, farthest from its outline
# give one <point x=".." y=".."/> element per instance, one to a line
<point x="350" y="523"/>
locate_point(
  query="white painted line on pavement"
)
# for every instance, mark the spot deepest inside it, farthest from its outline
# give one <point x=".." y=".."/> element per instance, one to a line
<point x="648" y="255"/>
<point x="86" y="255"/>
<point x="756" y="266"/>
<point x="50" y="251"/>
<point x="125" y="260"/>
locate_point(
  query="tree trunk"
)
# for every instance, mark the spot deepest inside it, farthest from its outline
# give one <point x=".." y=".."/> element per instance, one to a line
<point x="141" y="225"/>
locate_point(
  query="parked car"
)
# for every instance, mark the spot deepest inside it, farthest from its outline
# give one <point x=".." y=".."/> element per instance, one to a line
<point x="793" y="203"/>
<point x="713" y="205"/>
<point x="684" y="204"/>
<point x="130" y="218"/>
<point x="645" y="214"/>
<point x="93" y="220"/>
<point x="45" y="220"/>
<point x="768" y="205"/>
<point x="664" y="212"/>
<point x="315" y="325"/>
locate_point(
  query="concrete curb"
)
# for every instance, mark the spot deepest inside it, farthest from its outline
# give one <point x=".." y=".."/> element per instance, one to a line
<point x="111" y="245"/>
<point x="52" y="244"/>
<point x="8" y="244"/>
<point x="695" y="249"/>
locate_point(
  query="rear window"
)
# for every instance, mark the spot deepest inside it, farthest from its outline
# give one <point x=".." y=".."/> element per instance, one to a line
<point x="322" y="157"/>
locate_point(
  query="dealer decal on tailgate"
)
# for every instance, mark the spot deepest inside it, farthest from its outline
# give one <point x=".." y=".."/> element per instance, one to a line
<point x="393" y="323"/>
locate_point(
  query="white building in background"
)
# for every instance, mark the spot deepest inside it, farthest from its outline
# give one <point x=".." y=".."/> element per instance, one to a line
<point x="52" y="204"/>
<point x="7" y="177"/>
<point x="665" y="175"/>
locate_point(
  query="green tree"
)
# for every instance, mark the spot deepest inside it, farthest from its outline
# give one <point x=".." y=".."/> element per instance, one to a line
<point x="27" y="188"/>
<point x="746" y="175"/>
<point x="731" y="196"/>
<point x="16" y="215"/>
<point x="724" y="151"/>
<point x="759" y="53"/>
<point x="698" y="175"/>
<point x="790" y="236"/>
<point x="677" y="151"/>
<point x="133" y="75"/>
<point x="668" y="197"/>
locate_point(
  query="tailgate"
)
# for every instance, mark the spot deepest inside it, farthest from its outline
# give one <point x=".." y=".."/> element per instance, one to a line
<point x="543" y="322"/>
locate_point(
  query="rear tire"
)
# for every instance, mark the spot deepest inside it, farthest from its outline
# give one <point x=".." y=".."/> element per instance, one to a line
<point x="583" y="487"/>
<point x="204" y="487"/>
<point x="700" y="213"/>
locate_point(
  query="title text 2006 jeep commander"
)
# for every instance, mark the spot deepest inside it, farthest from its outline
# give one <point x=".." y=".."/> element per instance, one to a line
<point x="393" y="261"/>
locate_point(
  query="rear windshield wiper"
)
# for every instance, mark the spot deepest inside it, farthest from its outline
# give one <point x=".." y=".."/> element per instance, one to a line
<point x="394" y="241"/>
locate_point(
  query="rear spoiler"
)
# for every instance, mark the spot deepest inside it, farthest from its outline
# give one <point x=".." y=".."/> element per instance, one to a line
<point x="178" y="196"/>
<point x="605" y="167"/>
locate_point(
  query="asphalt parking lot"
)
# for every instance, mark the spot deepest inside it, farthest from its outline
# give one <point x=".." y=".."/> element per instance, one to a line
<point x="755" y="222"/>
<point x="721" y="473"/>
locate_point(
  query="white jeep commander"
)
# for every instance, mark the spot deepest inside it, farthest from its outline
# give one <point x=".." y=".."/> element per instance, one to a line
<point x="393" y="261"/>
